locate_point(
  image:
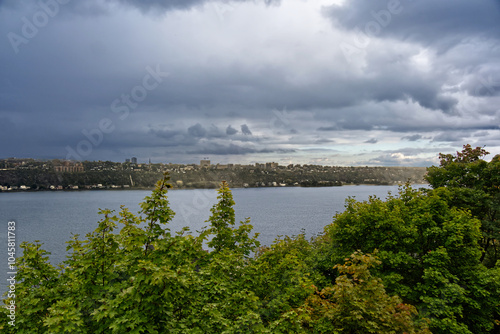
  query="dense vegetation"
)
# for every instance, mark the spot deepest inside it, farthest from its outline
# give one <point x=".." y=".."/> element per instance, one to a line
<point x="41" y="176"/>
<point x="420" y="261"/>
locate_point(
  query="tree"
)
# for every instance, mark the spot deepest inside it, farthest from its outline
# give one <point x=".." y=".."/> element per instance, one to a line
<point x="282" y="278"/>
<point x="474" y="184"/>
<point x="143" y="279"/>
<point x="222" y="221"/>
<point x="429" y="253"/>
<point x="358" y="303"/>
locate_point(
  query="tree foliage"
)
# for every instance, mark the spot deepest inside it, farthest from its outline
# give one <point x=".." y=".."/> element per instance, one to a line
<point x="359" y="303"/>
<point x="474" y="184"/>
<point x="429" y="253"/>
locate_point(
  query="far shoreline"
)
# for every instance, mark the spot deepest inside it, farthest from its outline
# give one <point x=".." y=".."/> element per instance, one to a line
<point x="202" y="188"/>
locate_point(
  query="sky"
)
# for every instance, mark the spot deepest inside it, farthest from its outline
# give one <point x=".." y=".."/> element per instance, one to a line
<point x="330" y="82"/>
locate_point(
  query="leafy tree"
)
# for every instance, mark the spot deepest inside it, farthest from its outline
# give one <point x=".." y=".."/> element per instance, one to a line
<point x="143" y="279"/>
<point x="222" y="221"/>
<point x="474" y="184"/>
<point x="358" y="303"/>
<point x="282" y="279"/>
<point x="37" y="292"/>
<point x="429" y="253"/>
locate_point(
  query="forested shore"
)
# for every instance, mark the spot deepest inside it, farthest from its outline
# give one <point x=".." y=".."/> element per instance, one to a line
<point x="37" y="175"/>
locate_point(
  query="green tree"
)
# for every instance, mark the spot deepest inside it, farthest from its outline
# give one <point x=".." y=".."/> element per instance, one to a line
<point x="429" y="253"/>
<point x="36" y="293"/>
<point x="143" y="279"/>
<point x="358" y="303"/>
<point x="474" y="184"/>
<point x="283" y="280"/>
<point x="222" y="220"/>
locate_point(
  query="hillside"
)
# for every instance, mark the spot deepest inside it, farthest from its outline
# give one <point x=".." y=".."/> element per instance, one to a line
<point x="38" y="175"/>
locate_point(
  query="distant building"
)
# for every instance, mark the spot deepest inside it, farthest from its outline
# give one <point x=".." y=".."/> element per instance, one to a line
<point x="271" y="165"/>
<point x="134" y="160"/>
<point x="127" y="160"/>
<point x="69" y="166"/>
<point x="204" y="163"/>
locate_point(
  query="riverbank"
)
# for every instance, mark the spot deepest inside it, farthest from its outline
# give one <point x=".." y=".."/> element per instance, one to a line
<point x="189" y="177"/>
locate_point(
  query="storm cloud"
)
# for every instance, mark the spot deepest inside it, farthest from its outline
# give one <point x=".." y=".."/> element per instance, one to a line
<point x="343" y="82"/>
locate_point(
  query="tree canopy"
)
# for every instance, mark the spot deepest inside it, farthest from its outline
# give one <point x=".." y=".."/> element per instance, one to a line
<point x="474" y="184"/>
<point x="429" y="253"/>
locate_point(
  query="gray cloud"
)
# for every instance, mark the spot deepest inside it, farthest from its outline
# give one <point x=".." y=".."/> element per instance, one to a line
<point x="246" y="130"/>
<point x="164" y="5"/>
<point x="414" y="137"/>
<point x="431" y="77"/>
<point x="233" y="149"/>
<point x="450" y="137"/>
<point x="153" y="7"/>
<point x="324" y="141"/>
<point x="197" y="131"/>
<point x="371" y="141"/>
<point x="442" y="24"/>
<point x="231" y="131"/>
<point x="329" y="128"/>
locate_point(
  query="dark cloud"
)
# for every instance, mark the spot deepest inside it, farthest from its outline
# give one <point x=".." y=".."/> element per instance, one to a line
<point x="371" y="141"/>
<point x="215" y="132"/>
<point x="431" y="75"/>
<point x="234" y="149"/>
<point x="163" y="5"/>
<point x="149" y="5"/>
<point x="324" y="141"/>
<point x="197" y="131"/>
<point x="450" y="137"/>
<point x="329" y="128"/>
<point x="231" y="131"/>
<point x="154" y="7"/>
<point x="165" y="133"/>
<point x="414" y="137"/>
<point x="443" y="24"/>
<point x="246" y="130"/>
<point x="486" y="83"/>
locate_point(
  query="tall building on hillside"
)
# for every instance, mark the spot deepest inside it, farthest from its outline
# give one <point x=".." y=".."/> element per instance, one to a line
<point x="204" y="163"/>
<point x="134" y="160"/>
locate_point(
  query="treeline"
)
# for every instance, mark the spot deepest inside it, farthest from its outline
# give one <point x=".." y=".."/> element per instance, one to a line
<point x="43" y="180"/>
<point x="309" y="176"/>
<point x="421" y="261"/>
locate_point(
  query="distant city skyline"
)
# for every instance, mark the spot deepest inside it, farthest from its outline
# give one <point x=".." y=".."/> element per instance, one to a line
<point x="328" y="82"/>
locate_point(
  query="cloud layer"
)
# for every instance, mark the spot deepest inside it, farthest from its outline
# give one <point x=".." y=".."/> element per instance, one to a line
<point x="338" y="82"/>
